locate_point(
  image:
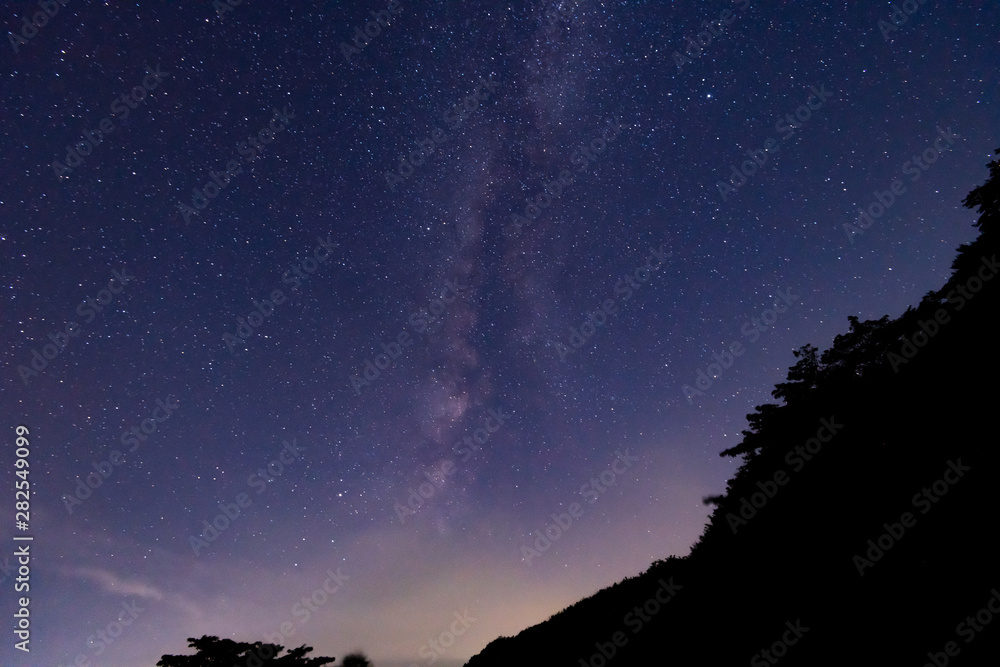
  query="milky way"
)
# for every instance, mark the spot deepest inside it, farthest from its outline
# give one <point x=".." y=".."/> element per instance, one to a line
<point x="389" y="287"/>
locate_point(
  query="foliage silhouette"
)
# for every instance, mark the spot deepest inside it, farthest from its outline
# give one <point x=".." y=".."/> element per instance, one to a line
<point x="356" y="660"/>
<point x="791" y="554"/>
<point x="214" y="652"/>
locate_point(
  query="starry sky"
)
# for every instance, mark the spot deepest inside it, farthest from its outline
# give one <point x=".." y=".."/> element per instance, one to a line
<point x="398" y="282"/>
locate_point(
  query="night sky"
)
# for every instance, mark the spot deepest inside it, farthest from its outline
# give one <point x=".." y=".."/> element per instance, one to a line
<point x="400" y="297"/>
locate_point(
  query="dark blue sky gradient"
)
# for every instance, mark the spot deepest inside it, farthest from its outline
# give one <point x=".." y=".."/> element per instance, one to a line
<point x="558" y="77"/>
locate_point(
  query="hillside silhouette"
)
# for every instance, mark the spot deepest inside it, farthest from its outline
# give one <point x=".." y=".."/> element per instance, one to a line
<point x="861" y="527"/>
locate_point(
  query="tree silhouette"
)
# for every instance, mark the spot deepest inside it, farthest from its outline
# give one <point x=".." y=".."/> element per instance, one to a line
<point x="356" y="660"/>
<point x="215" y="652"/>
<point x="801" y="377"/>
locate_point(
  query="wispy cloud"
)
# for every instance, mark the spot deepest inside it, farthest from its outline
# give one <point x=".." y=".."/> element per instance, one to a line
<point x="111" y="582"/>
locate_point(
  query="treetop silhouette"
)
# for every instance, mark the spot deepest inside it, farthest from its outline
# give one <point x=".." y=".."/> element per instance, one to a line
<point x="215" y="652"/>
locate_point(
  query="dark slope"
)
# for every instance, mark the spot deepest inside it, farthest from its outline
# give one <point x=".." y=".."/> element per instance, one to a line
<point x="906" y="424"/>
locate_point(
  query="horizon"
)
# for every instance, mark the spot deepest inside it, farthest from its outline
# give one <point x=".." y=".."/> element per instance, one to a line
<point x="402" y="340"/>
